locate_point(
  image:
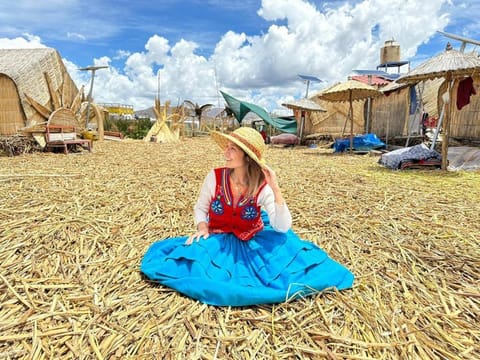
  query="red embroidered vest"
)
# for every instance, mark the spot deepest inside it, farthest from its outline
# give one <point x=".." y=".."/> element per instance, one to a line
<point x="242" y="219"/>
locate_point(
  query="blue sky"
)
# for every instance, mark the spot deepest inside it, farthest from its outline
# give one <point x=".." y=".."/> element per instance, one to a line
<point x="250" y="49"/>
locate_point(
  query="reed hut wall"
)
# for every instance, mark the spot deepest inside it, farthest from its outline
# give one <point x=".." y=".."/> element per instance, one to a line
<point x="334" y="122"/>
<point x="308" y="127"/>
<point x="390" y="113"/>
<point x="12" y="117"/>
<point x="28" y="69"/>
<point x="465" y="123"/>
<point x="431" y="102"/>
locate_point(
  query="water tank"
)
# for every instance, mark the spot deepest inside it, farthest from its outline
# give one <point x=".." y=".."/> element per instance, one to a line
<point x="390" y="52"/>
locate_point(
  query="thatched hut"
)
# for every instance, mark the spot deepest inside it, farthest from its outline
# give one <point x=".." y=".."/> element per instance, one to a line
<point x="394" y="115"/>
<point x="465" y="124"/>
<point x="35" y="88"/>
<point x="302" y="109"/>
<point x="386" y="116"/>
<point x="390" y="114"/>
<point x="334" y="122"/>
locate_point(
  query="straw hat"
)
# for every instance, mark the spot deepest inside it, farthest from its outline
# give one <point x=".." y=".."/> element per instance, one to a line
<point x="247" y="139"/>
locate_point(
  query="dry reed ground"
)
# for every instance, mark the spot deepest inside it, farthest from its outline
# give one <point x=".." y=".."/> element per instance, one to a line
<point x="74" y="228"/>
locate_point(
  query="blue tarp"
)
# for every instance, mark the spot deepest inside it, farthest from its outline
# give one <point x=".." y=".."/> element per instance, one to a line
<point x="365" y="142"/>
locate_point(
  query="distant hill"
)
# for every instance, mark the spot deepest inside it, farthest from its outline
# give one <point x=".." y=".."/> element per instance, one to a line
<point x="145" y="113"/>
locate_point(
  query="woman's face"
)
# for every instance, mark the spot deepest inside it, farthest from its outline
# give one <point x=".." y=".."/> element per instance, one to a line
<point x="234" y="156"/>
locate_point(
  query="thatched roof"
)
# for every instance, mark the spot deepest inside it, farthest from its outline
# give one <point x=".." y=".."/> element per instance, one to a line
<point x="451" y="62"/>
<point x="342" y="91"/>
<point x="26" y="67"/>
<point x="392" y="87"/>
<point x="303" y="104"/>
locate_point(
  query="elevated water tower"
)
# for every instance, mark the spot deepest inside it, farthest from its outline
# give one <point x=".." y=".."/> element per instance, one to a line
<point x="390" y="56"/>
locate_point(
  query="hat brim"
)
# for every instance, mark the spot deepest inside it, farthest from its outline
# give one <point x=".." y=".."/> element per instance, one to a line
<point x="222" y="140"/>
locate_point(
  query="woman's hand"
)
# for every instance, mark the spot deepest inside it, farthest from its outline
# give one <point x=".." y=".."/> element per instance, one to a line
<point x="202" y="231"/>
<point x="271" y="179"/>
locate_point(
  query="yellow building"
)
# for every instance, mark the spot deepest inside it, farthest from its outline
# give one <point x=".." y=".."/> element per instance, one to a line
<point x="119" y="110"/>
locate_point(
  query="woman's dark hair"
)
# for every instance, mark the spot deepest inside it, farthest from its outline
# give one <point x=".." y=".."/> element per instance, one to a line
<point x="255" y="176"/>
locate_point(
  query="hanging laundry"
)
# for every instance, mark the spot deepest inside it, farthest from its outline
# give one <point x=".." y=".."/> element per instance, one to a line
<point x="465" y="90"/>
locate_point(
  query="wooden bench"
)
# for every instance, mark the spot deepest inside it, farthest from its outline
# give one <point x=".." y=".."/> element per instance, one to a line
<point x="61" y="136"/>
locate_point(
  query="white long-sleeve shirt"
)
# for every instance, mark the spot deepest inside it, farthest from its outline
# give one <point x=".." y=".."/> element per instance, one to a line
<point x="279" y="215"/>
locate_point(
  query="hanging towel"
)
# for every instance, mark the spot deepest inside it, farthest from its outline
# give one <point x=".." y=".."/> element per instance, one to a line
<point x="465" y="90"/>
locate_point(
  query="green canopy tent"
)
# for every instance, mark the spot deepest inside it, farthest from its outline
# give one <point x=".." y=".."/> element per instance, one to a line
<point x="240" y="109"/>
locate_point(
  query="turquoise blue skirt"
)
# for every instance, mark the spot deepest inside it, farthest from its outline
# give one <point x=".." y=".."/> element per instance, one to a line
<point x="222" y="270"/>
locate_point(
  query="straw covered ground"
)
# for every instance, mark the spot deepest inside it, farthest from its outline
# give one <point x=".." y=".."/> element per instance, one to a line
<point x="74" y="228"/>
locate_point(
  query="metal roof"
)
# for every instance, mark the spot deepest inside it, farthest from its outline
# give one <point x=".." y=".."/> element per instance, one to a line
<point x="379" y="73"/>
<point x="393" y="64"/>
<point x="371" y="80"/>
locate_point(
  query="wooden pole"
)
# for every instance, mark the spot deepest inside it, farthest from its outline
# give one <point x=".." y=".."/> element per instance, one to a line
<point x="351" y="122"/>
<point x="101" y="127"/>
<point x="446" y="123"/>
<point x="302" y="126"/>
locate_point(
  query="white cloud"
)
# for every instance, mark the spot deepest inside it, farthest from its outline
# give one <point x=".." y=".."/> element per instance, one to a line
<point x="27" y="41"/>
<point x="157" y="49"/>
<point x="76" y="36"/>
<point x="262" y="68"/>
<point x="122" y="54"/>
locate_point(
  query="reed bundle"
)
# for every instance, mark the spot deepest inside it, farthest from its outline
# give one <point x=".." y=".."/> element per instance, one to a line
<point x="17" y="144"/>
